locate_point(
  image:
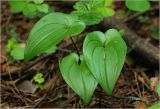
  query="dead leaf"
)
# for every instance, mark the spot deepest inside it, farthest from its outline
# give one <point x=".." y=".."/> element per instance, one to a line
<point x="26" y="86"/>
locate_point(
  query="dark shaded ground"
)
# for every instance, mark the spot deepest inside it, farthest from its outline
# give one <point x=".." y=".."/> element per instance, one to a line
<point x="134" y="88"/>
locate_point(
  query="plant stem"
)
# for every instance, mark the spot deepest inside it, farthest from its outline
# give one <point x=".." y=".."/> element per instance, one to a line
<point x="77" y="49"/>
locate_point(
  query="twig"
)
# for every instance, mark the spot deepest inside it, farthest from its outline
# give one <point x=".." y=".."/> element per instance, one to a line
<point x="139" y="14"/>
<point x="138" y="88"/>
<point x="124" y="97"/>
<point x="64" y="50"/>
<point x="25" y="68"/>
<point x="146" y="79"/>
<point x="129" y="98"/>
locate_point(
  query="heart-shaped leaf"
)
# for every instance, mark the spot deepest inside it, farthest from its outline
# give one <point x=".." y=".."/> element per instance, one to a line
<point x="105" y="55"/>
<point x="78" y="77"/>
<point x="49" y="31"/>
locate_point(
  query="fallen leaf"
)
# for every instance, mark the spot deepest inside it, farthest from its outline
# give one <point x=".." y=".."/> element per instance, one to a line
<point x="26" y="86"/>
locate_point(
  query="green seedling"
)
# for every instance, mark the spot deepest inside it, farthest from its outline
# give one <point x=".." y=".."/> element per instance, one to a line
<point x="143" y="19"/>
<point x="15" y="51"/>
<point x="155" y="32"/>
<point x="122" y="32"/>
<point x="11" y="44"/>
<point x="30" y="8"/>
<point x="93" y="11"/>
<point x="39" y="80"/>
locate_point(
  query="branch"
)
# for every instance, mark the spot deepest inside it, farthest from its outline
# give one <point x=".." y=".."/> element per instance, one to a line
<point x="25" y="68"/>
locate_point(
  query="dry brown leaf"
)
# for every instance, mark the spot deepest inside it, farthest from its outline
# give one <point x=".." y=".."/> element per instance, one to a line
<point x="26" y="86"/>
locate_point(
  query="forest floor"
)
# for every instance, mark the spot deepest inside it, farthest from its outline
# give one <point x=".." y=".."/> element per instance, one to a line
<point x="135" y="87"/>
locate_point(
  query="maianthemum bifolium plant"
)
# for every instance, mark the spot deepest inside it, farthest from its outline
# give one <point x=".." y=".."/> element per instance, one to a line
<point x="103" y="53"/>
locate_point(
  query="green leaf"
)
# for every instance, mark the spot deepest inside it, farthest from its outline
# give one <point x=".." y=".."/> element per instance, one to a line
<point x="16" y="5"/>
<point x="108" y="2"/>
<point x="105" y="56"/>
<point x="11" y="44"/>
<point x="18" y="53"/>
<point x="39" y="78"/>
<point x="92" y="11"/>
<point x="155" y="106"/>
<point x="38" y="1"/>
<point x="122" y="32"/>
<point x="30" y="10"/>
<point x="155" y="32"/>
<point x="51" y="50"/>
<point x="138" y="5"/>
<point x="78" y="76"/>
<point x="43" y="8"/>
<point x="143" y="19"/>
<point x="49" y="31"/>
<point x="40" y="86"/>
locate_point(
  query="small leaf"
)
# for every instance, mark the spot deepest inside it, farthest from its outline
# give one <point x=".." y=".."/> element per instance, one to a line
<point x="18" y="53"/>
<point x="38" y="1"/>
<point x="106" y="11"/>
<point x="138" y="5"/>
<point x="39" y="86"/>
<point x="43" y="8"/>
<point x="122" y="32"/>
<point x="11" y="44"/>
<point x="105" y="55"/>
<point x="49" y="31"/>
<point x="143" y="19"/>
<point x="30" y="10"/>
<point x="78" y="77"/>
<point x="155" y="32"/>
<point x="39" y="78"/>
<point x="92" y="11"/>
<point x="16" y="5"/>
